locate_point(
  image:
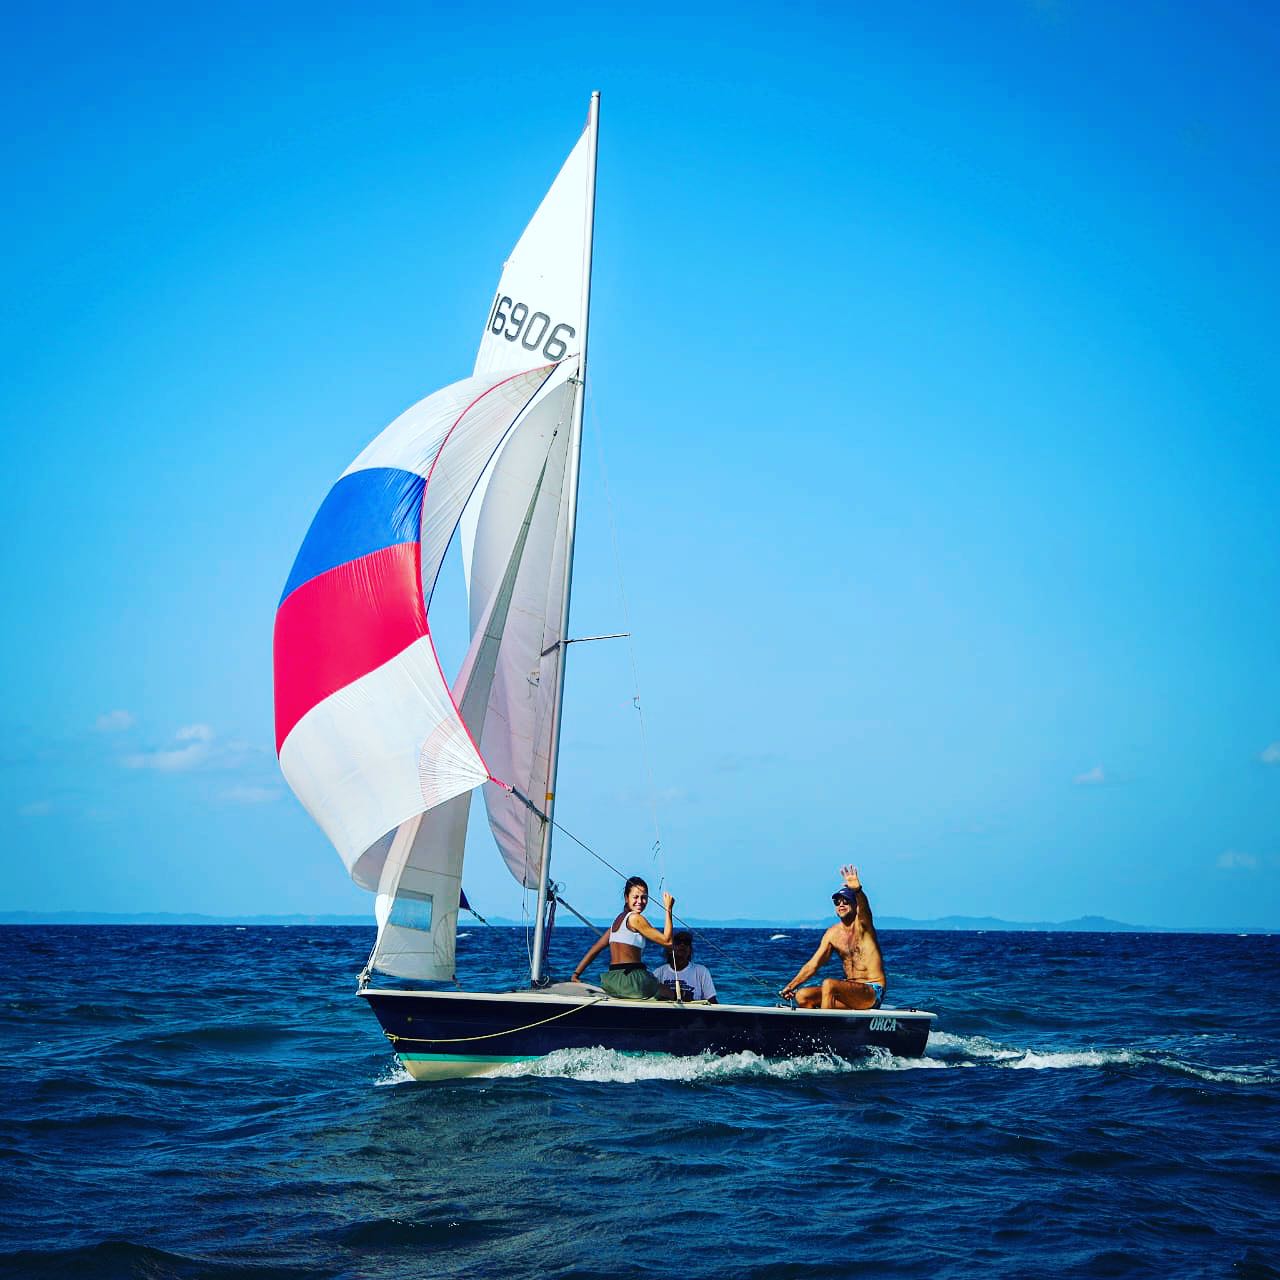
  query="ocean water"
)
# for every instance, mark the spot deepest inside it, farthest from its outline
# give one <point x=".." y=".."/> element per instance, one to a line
<point x="215" y="1102"/>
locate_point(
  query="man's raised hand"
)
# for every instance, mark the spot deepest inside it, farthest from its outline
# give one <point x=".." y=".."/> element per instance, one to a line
<point x="850" y="874"/>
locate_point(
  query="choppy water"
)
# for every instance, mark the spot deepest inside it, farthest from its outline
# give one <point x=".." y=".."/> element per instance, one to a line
<point x="210" y="1102"/>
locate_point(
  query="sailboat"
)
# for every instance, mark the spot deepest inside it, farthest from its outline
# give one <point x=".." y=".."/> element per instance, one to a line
<point x="384" y="751"/>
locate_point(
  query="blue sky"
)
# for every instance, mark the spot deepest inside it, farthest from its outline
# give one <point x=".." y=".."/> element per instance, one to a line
<point x="932" y="367"/>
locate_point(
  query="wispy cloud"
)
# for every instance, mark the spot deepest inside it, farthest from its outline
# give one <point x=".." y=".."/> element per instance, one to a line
<point x="1094" y="777"/>
<point x="659" y="796"/>
<point x="251" y="795"/>
<point x="1271" y="754"/>
<point x="114" y="721"/>
<point x="738" y="761"/>
<point x="1233" y="860"/>
<point x="36" y="809"/>
<point x="197" y="737"/>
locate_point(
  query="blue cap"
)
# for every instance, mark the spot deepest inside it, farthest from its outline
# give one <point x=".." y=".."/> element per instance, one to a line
<point x="849" y="895"/>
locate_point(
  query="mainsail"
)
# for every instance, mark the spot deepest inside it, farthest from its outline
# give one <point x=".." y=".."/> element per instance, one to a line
<point x="547" y="275"/>
<point x="378" y="746"/>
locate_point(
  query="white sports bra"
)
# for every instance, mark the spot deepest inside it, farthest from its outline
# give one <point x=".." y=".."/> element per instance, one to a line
<point x="628" y="937"/>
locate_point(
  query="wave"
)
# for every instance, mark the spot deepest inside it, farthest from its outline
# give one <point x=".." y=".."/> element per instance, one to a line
<point x="945" y="1044"/>
<point x="76" y="1015"/>
<point x="946" y="1051"/>
<point x="394" y="1073"/>
<point x="973" y="1050"/>
<point x="88" y="1123"/>
<point x="124" y="1259"/>
<point x="608" y="1066"/>
<point x="241" y="1036"/>
<point x="1268" y="1073"/>
<point x="451" y="1230"/>
<point x="1065" y="1059"/>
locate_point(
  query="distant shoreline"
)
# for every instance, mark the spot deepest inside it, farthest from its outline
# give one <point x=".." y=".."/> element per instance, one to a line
<point x="945" y="924"/>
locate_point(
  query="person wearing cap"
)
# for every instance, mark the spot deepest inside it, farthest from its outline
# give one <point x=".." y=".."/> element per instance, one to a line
<point x="853" y="939"/>
<point x="684" y="979"/>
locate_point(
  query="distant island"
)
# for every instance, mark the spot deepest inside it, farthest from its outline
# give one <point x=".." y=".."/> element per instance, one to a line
<point x="1085" y="924"/>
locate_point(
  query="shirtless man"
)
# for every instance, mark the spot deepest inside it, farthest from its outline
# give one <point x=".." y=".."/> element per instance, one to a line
<point x="853" y="939"/>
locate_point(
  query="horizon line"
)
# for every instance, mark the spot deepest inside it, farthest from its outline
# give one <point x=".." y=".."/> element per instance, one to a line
<point x="952" y="923"/>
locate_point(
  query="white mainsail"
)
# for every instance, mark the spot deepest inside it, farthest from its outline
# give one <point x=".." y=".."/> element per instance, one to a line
<point x="539" y="299"/>
<point x="537" y="308"/>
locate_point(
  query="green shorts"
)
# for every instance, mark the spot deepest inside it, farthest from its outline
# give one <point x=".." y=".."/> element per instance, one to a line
<point x="631" y="982"/>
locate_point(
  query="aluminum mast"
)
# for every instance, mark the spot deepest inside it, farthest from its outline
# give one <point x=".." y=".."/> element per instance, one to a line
<point x="575" y="460"/>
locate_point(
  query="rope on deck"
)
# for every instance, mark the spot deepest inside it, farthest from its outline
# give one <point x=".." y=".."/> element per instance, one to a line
<point x="492" y="1035"/>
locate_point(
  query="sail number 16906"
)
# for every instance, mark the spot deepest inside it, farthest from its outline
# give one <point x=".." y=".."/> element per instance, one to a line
<point x="513" y="321"/>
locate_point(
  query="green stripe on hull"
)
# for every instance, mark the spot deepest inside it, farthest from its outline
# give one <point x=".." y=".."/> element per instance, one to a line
<point x="466" y="1057"/>
<point x="456" y="1066"/>
<point x="450" y="1066"/>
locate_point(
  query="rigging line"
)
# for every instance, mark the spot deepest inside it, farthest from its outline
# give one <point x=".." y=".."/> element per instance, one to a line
<point x="524" y="910"/>
<point x="737" y="964"/>
<point x="697" y="933"/>
<point x="631" y="648"/>
<point x="568" y="906"/>
<point x="492" y="1035"/>
<point x="478" y="916"/>
<point x="582" y="844"/>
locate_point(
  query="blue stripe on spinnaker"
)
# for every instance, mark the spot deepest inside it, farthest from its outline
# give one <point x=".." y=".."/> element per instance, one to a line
<point x="364" y="512"/>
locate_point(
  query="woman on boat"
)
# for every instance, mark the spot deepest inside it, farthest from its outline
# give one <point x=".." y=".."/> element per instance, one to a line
<point x="627" y="978"/>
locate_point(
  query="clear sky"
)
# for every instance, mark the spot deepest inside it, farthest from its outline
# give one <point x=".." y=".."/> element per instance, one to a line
<point x="933" y="368"/>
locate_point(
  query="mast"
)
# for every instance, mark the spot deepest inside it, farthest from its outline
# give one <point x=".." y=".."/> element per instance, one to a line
<point x="575" y="460"/>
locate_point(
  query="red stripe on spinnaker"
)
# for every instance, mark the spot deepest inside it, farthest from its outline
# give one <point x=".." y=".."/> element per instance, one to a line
<point x="343" y="624"/>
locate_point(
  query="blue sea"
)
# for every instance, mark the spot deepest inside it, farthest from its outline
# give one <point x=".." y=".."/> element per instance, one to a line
<point x="216" y="1102"/>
